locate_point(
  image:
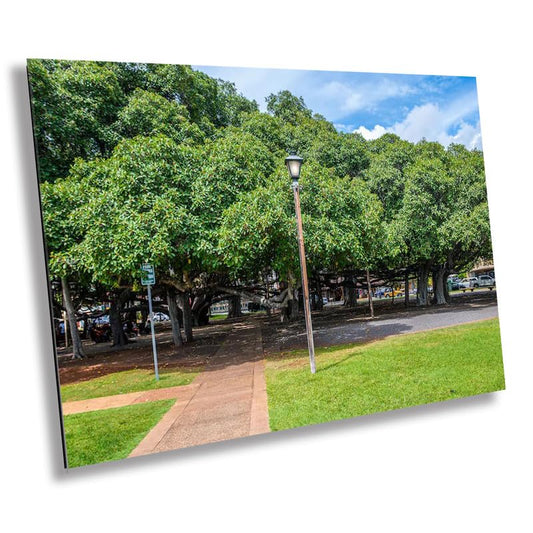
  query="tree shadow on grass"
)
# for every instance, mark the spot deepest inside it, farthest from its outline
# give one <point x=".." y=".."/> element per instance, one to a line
<point x="377" y="332"/>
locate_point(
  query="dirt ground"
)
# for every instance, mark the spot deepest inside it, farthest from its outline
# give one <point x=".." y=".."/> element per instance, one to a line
<point x="103" y="360"/>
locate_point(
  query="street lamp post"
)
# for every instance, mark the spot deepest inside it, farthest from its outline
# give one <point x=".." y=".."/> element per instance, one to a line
<point x="294" y="164"/>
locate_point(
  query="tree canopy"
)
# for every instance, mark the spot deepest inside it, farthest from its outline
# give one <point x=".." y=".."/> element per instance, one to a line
<point x="162" y="163"/>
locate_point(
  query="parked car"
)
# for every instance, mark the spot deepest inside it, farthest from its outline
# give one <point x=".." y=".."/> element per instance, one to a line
<point x="390" y="293"/>
<point x="469" y="283"/>
<point x="160" y="317"/>
<point x="480" y="281"/>
<point x="454" y="283"/>
<point x="486" y="281"/>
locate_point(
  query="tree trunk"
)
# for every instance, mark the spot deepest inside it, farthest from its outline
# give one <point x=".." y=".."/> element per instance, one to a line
<point x="115" y="321"/>
<point x="77" y="348"/>
<point x="183" y="298"/>
<point x="200" y="314"/>
<point x="297" y="306"/>
<point x="422" y="285"/>
<point x="350" y="292"/>
<point x="200" y="310"/>
<point x="65" y="327"/>
<point x="445" y="285"/>
<point x="292" y="307"/>
<point x="267" y="309"/>
<point x="406" y="295"/>
<point x="319" y="305"/>
<point x="369" y="288"/>
<point x="144" y="319"/>
<point x="174" y="318"/>
<point x="274" y="302"/>
<point x="439" y="294"/>
<point x="234" y="307"/>
<point x="85" y="327"/>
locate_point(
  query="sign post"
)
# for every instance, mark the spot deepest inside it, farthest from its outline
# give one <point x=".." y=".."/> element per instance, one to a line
<point x="148" y="279"/>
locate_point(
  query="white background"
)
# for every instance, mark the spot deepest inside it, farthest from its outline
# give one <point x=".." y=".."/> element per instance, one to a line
<point x="460" y="466"/>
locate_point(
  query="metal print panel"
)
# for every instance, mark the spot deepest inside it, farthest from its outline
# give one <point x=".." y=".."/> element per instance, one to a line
<point x="236" y="251"/>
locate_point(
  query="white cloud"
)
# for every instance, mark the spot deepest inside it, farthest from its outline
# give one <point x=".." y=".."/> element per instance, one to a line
<point x="374" y="133"/>
<point x="468" y="135"/>
<point x="431" y="122"/>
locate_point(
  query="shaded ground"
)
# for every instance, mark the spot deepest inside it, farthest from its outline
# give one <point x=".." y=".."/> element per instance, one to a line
<point x="103" y="359"/>
<point x="333" y="325"/>
<point x="337" y="325"/>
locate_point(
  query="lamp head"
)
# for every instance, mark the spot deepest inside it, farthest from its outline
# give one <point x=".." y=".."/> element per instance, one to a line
<point x="294" y="164"/>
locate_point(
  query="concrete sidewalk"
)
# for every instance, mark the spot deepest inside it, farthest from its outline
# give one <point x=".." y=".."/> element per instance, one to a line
<point x="226" y="401"/>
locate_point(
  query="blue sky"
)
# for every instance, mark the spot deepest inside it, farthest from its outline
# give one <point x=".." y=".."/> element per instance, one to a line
<point x="438" y="108"/>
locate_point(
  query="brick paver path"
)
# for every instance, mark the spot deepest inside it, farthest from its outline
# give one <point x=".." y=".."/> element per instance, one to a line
<point x="226" y="401"/>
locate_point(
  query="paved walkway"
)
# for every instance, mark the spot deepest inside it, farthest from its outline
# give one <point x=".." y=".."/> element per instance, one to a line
<point x="226" y="401"/>
<point x="132" y="398"/>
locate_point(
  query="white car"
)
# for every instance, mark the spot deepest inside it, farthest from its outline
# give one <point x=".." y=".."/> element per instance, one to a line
<point x="469" y="283"/>
<point x="475" y="282"/>
<point x="486" y="281"/>
<point x="160" y="317"/>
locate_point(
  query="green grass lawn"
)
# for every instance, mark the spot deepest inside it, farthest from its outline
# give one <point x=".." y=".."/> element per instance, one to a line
<point x="400" y="371"/>
<point x="121" y="382"/>
<point x="110" y="434"/>
<point x="218" y="317"/>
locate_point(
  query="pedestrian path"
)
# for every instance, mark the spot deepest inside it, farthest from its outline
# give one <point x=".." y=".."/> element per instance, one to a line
<point x="226" y="401"/>
<point x="131" y="398"/>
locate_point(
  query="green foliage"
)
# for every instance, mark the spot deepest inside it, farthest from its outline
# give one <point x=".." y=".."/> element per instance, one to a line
<point x="270" y="130"/>
<point x="75" y="106"/>
<point x="60" y="203"/>
<point x="287" y="107"/>
<point x="235" y="164"/>
<point x="161" y="163"/>
<point x="139" y="209"/>
<point x="258" y="232"/>
<point x="211" y="103"/>
<point x="346" y="153"/>
<point x="426" y="206"/>
<point x="341" y="221"/>
<point x="385" y="174"/>
<point x="150" y="114"/>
